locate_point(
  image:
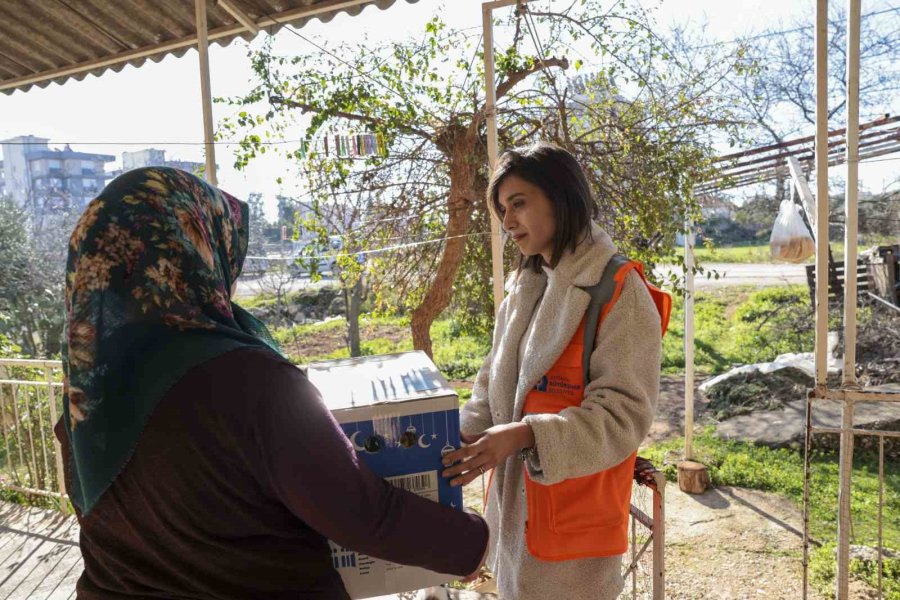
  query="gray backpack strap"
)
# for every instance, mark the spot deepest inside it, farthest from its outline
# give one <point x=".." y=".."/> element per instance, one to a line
<point x="601" y="294"/>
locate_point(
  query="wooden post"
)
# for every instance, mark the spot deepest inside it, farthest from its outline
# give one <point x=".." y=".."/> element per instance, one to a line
<point x="845" y="525"/>
<point x="659" y="537"/>
<point x="881" y="277"/>
<point x="851" y="197"/>
<point x="692" y="476"/>
<point x="821" y="153"/>
<point x="205" y="94"/>
<point x="688" y="341"/>
<point x="493" y="150"/>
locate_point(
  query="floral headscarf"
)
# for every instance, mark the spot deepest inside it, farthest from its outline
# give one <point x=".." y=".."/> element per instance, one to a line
<point x="150" y="268"/>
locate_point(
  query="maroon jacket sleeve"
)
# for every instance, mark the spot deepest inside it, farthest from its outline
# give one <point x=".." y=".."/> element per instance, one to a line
<point x="313" y="469"/>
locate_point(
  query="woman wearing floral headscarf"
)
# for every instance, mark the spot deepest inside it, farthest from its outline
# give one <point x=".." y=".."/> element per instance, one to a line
<point x="202" y="464"/>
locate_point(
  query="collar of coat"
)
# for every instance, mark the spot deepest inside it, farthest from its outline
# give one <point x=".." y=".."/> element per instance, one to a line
<point x="556" y="316"/>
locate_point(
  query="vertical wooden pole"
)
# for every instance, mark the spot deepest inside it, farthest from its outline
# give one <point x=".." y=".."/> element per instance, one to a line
<point x="205" y="94"/>
<point x="493" y="150"/>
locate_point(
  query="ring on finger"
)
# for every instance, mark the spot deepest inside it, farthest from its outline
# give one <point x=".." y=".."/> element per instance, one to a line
<point x="481" y="469"/>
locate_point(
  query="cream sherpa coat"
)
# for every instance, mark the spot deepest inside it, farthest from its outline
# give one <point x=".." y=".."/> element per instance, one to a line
<point x="618" y="408"/>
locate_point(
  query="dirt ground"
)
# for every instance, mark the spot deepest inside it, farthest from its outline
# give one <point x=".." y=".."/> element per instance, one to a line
<point x="330" y="340"/>
<point x="669" y="420"/>
<point x="732" y="543"/>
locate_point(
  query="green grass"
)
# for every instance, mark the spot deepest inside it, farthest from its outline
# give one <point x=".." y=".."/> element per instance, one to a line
<point x="305" y="296"/>
<point x="326" y="340"/>
<point x="456" y="354"/>
<point x="285" y="334"/>
<point x="759" y="253"/>
<point x="733" y="254"/>
<point x="733" y="325"/>
<point x="740" y="325"/>
<point x="781" y="471"/>
<point x="257" y="301"/>
<point x="465" y="394"/>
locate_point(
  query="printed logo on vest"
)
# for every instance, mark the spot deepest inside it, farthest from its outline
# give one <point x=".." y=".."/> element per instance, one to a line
<point x="560" y="386"/>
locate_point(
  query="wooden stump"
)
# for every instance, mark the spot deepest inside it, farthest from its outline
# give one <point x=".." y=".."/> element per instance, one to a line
<point x="693" y="478"/>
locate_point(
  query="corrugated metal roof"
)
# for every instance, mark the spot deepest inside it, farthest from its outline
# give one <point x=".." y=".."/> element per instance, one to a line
<point x="57" y="40"/>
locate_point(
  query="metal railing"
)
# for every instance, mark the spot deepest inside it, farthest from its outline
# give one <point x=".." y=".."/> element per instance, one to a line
<point x="645" y="566"/>
<point x="30" y="405"/>
<point x="848" y="433"/>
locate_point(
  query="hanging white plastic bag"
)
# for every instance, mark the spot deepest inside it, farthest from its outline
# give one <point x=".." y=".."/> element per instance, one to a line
<point x="790" y="239"/>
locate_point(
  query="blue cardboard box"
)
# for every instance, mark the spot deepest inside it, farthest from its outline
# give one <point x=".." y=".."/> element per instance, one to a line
<point x="401" y="416"/>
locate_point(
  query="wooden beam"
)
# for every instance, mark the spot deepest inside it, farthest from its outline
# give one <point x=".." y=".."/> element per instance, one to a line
<point x="773" y="167"/>
<point x="763" y="175"/>
<point x="811" y="138"/>
<point x="806" y="197"/>
<point x="238" y="14"/>
<point x="871" y="138"/>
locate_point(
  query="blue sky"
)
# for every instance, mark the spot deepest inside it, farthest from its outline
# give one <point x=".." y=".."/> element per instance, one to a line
<point x="158" y="105"/>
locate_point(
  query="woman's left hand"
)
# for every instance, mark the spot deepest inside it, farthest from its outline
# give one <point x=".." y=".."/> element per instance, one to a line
<point x="486" y="450"/>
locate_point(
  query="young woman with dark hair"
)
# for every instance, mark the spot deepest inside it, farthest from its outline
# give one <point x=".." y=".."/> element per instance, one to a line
<point x="562" y="452"/>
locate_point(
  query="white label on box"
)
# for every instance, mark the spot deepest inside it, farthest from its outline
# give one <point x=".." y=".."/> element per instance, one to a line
<point x="424" y="484"/>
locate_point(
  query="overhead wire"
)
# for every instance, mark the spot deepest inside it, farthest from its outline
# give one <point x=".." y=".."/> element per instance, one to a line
<point x="769" y="34"/>
<point x="375" y="250"/>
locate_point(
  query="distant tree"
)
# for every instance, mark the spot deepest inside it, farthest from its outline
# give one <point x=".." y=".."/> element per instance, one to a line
<point x="32" y="272"/>
<point x="880" y="216"/>
<point x="256" y="244"/>
<point x="276" y="281"/>
<point x="758" y="212"/>
<point x="333" y="243"/>
<point x="777" y="99"/>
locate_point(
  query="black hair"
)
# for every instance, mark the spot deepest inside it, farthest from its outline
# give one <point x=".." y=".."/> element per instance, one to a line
<point x="557" y="173"/>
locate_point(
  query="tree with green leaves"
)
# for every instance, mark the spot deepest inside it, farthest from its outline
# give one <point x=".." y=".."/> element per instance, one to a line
<point x="332" y="244"/>
<point x="256" y="243"/>
<point x="593" y="78"/>
<point x="32" y="271"/>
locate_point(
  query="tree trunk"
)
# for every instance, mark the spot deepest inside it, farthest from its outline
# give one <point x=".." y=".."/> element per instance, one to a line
<point x="28" y="342"/>
<point x="438" y="296"/>
<point x="693" y="477"/>
<point x="353" y="299"/>
<point x="460" y="205"/>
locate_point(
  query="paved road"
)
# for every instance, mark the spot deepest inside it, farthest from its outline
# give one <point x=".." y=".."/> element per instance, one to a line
<point x="251" y="286"/>
<point x="760" y="275"/>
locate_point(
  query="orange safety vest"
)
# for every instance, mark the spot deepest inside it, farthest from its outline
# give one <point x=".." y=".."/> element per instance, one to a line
<point x="583" y="517"/>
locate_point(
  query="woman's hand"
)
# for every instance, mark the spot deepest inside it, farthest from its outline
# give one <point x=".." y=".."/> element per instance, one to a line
<point x="486" y="450"/>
